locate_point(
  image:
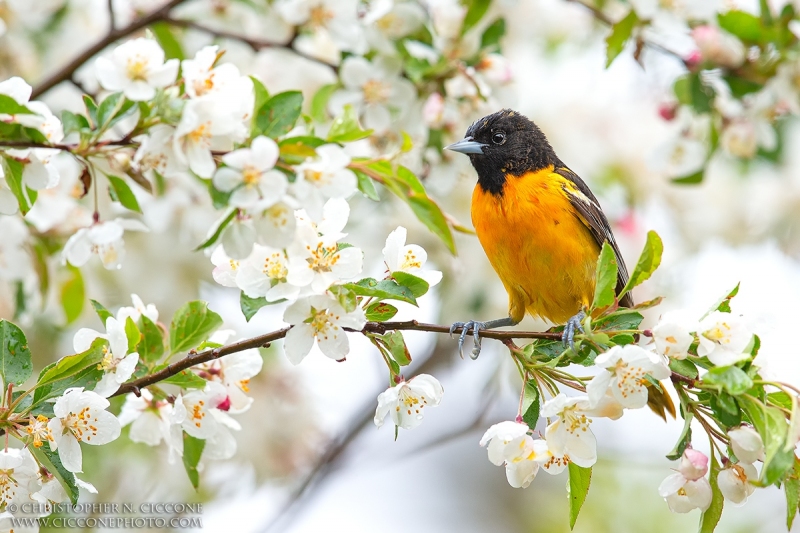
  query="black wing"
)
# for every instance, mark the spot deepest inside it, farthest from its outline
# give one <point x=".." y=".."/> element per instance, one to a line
<point x="589" y="208"/>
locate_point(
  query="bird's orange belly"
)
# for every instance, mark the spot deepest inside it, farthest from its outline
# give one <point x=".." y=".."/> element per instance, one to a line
<point x="543" y="253"/>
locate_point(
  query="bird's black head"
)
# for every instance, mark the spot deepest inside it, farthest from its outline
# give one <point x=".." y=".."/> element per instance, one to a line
<point x="505" y="143"/>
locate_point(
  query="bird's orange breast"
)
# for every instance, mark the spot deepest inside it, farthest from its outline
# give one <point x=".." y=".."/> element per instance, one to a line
<point x="537" y="244"/>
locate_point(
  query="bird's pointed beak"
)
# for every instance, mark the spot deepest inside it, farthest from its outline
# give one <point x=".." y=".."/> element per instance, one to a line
<point x="467" y="146"/>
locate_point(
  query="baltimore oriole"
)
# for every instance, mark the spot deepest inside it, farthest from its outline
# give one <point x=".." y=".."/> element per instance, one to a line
<point x="540" y="225"/>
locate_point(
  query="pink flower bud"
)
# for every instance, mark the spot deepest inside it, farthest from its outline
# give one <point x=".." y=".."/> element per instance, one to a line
<point x="718" y="47"/>
<point x="694" y="464"/>
<point x="668" y="111"/>
<point x="693" y="59"/>
<point x="225" y="404"/>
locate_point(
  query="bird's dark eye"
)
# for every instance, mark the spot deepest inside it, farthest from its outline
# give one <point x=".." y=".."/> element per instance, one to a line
<point x="498" y="137"/>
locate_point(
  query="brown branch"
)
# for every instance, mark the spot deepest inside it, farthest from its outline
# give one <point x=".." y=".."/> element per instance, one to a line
<point x="194" y="359"/>
<point x="114" y="34"/>
<point x="255" y="44"/>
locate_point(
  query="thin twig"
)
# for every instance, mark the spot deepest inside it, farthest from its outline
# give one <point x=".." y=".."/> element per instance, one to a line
<point x="263" y="340"/>
<point x="255" y="44"/>
<point x="112" y="22"/>
<point x="114" y="34"/>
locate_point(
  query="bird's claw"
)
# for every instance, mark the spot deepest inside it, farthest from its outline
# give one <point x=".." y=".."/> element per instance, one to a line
<point x="568" y="337"/>
<point x="476" y="327"/>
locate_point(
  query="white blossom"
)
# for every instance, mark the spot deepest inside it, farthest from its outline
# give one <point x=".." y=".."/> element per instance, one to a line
<point x="137" y="68"/>
<point x="319" y="319"/>
<point x="673" y="337"/>
<point x="206" y="124"/>
<point x="156" y="152"/>
<point x="264" y="273"/>
<point x="624" y="370"/>
<point x="118" y="365"/>
<point x="200" y="421"/>
<point x="153" y="421"/>
<point x="405" y="402"/>
<point x="683" y="495"/>
<point x="315" y="259"/>
<point x="18" y="477"/>
<point x="375" y="89"/>
<point x="15" y="263"/>
<point x="718" y="46"/>
<point x="137" y="311"/>
<point x="103" y="239"/>
<point x="723" y="338"/>
<point x="331" y="26"/>
<point x="734" y="482"/>
<point x="201" y="77"/>
<point x="250" y="177"/>
<point x="411" y="258"/>
<point x="324" y="176"/>
<point x="80" y="416"/>
<point x="509" y="443"/>
<point x="569" y="434"/>
<point x="746" y="444"/>
<point x="234" y="372"/>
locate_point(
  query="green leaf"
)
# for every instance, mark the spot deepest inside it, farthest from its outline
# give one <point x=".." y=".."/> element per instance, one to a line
<point x="690" y="90"/>
<point x="579" y="480"/>
<point x="476" y="9"/>
<point x="52" y="462"/>
<point x="741" y="87"/>
<point x="121" y="192"/>
<point x="107" y="109"/>
<point x="72" y="364"/>
<point x="690" y="179"/>
<point x="250" y="306"/>
<point x="345" y="127"/>
<point x="72" y="295"/>
<point x="430" y="214"/>
<point x="192" y="451"/>
<point x="15" y="357"/>
<point x="171" y="45"/>
<point x="380" y="312"/>
<point x="133" y="334"/>
<point x="72" y="122"/>
<point x="777" y="466"/>
<point x="618" y="38"/>
<point x="346" y="297"/>
<point x="9" y="106"/>
<point x="725" y="409"/>
<point x="417" y="285"/>
<point x="319" y="102"/>
<point x="621" y="319"/>
<point x="278" y="115"/>
<point x="492" y="35"/>
<point x="743" y="25"/>
<point x="774" y="430"/>
<point x="531" y="403"/>
<point x="151" y="345"/>
<point x="649" y="261"/>
<point x="791" y="487"/>
<point x="732" y="379"/>
<point x="710" y="517"/>
<point x="367" y="186"/>
<point x="217" y="232"/>
<point x="724" y="303"/>
<point x="386" y="289"/>
<point x="684" y="367"/>
<point x="396" y="345"/>
<point x="101" y="311"/>
<point x="25" y="196"/>
<point x="684" y="439"/>
<point x="191" y="325"/>
<point x="606" y="278"/>
<point x="186" y="379"/>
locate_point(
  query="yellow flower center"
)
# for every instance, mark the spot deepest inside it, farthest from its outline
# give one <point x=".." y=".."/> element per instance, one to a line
<point x="137" y="68"/>
<point x="201" y="134"/>
<point x="319" y="16"/>
<point x="322" y="257"/>
<point x="719" y="333"/>
<point x="197" y="413"/>
<point x="81" y="425"/>
<point x="37" y="428"/>
<point x="275" y="266"/>
<point x="204" y="85"/>
<point x="410" y="260"/>
<point x="629" y="379"/>
<point x="376" y="92"/>
<point x="251" y="176"/>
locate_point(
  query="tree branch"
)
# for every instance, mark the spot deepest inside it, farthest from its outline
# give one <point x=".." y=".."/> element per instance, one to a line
<point x="114" y="34"/>
<point x="255" y="44"/>
<point x="194" y="359"/>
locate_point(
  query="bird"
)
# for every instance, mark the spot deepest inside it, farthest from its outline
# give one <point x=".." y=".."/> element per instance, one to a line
<point x="539" y="224"/>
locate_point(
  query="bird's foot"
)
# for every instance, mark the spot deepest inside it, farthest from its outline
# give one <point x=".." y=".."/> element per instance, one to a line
<point x="568" y="337"/>
<point x="476" y="326"/>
